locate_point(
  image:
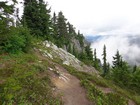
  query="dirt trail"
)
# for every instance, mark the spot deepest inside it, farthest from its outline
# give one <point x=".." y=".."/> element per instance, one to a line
<point x="69" y="87"/>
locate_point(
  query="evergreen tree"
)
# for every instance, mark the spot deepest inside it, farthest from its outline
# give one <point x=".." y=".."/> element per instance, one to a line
<point x="54" y="28"/>
<point x="12" y="39"/>
<point x="69" y="49"/>
<point x="5" y="20"/>
<point x="71" y="29"/>
<point x="61" y="24"/>
<point x="134" y="68"/>
<point x="37" y="17"/>
<point x="104" y="61"/>
<point x="95" y="60"/>
<point x="75" y="52"/>
<point x="95" y="56"/>
<point x="117" y="60"/>
<point x="89" y="53"/>
<point x="62" y="32"/>
<point x="108" y="68"/>
<point x="45" y="19"/>
<point x="54" y="19"/>
<point x="80" y="37"/>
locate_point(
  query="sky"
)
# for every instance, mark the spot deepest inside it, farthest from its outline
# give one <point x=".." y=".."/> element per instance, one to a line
<point x="101" y="17"/>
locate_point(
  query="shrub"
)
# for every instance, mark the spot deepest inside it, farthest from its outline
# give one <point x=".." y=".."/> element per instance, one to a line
<point x="19" y="40"/>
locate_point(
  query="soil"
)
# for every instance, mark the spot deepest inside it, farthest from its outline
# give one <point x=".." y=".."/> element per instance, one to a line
<point x="69" y="87"/>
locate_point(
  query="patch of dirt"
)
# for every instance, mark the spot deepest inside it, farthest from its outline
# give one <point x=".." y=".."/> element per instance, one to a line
<point x="105" y="90"/>
<point x="130" y="102"/>
<point x="69" y="87"/>
<point x="2" y="66"/>
<point x="66" y="85"/>
<point x="2" y="81"/>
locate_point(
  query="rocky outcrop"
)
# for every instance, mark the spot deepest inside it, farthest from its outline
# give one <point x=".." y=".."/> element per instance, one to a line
<point x="53" y="52"/>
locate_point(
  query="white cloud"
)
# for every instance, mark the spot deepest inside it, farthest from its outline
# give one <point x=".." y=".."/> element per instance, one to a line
<point x="92" y="15"/>
<point x="129" y="51"/>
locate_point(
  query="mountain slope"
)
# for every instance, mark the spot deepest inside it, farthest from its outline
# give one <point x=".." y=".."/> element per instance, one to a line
<point x="64" y="80"/>
<point x="52" y="72"/>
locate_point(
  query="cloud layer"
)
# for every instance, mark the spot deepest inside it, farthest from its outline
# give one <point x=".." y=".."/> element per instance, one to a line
<point x="101" y="17"/>
<point x="129" y="47"/>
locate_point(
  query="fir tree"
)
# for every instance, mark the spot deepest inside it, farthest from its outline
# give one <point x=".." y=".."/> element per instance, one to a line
<point x="80" y="37"/>
<point x="62" y="32"/>
<point x="96" y="65"/>
<point x="95" y="56"/>
<point x="134" y="68"/>
<point x="117" y="60"/>
<point x="71" y="29"/>
<point x="5" y="20"/>
<point x="54" y="19"/>
<point x="104" y="61"/>
<point x="61" y="24"/>
<point x="37" y="17"/>
<point x="89" y="53"/>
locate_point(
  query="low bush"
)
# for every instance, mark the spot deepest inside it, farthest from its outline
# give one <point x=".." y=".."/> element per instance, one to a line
<point x="19" y="39"/>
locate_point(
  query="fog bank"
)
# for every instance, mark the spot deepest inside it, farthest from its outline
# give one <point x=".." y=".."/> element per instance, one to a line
<point x="128" y="46"/>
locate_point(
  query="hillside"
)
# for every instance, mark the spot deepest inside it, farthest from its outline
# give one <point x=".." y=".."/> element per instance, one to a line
<point x="49" y="71"/>
<point x="45" y="60"/>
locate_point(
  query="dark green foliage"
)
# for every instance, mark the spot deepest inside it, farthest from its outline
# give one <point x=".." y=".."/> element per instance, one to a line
<point x="12" y="39"/>
<point x="5" y="9"/>
<point x="96" y="61"/>
<point x="117" y="60"/>
<point x="5" y="12"/>
<point x="65" y="36"/>
<point x="95" y="56"/>
<point x="89" y="53"/>
<point x="37" y="18"/>
<point x="124" y="75"/>
<point x="61" y="25"/>
<point x="71" y="29"/>
<point x="70" y="50"/>
<point x="80" y="37"/>
<point x="104" y="61"/>
<point x="18" y="40"/>
<point x="75" y="52"/>
<point x="134" y="68"/>
<point x="135" y="83"/>
<point x="61" y="31"/>
<point x="54" y="26"/>
<point x="99" y="98"/>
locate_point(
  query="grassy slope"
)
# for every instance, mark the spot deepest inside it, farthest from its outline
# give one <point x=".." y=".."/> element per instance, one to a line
<point x="24" y="79"/>
<point x="118" y="96"/>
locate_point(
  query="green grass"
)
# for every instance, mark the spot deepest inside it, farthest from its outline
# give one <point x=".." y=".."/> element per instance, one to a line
<point x="89" y="82"/>
<point x="82" y="75"/>
<point x="100" y="98"/>
<point x="24" y="81"/>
